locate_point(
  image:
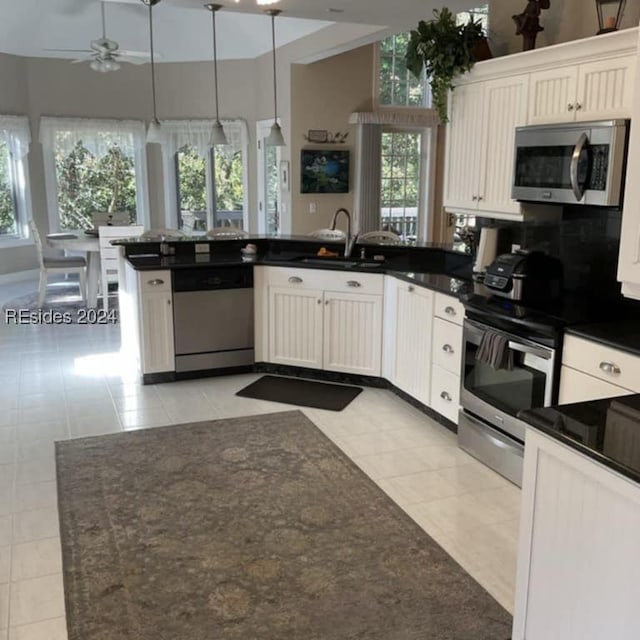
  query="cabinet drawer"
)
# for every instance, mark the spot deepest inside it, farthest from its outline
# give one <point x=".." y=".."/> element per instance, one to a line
<point x="576" y="386"/>
<point x="449" y="308"/>
<point x="154" y="281"/>
<point x="351" y="281"/>
<point x="447" y="345"/>
<point x="602" y="362"/>
<point x="445" y="393"/>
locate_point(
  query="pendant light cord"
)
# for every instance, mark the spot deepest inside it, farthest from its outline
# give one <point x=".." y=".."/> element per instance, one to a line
<point x="153" y="66"/>
<point x="275" y="91"/>
<point x="215" y="61"/>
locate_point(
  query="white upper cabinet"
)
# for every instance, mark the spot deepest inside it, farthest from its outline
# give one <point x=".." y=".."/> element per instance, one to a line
<point x="588" y="79"/>
<point x="592" y="91"/>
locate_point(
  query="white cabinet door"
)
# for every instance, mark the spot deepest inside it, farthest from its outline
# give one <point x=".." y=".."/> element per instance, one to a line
<point x="295" y="327"/>
<point x="578" y="550"/>
<point x="413" y="342"/>
<point x="352" y="333"/>
<point x="552" y="95"/>
<point x="156" y="319"/>
<point x="464" y="147"/>
<point x="576" y="386"/>
<point x="605" y="89"/>
<point x="505" y="108"/>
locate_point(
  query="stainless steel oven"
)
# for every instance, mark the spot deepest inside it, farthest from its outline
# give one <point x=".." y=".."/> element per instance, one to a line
<point x="491" y="398"/>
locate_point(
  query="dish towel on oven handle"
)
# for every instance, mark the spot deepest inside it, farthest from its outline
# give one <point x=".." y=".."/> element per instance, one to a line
<point x="494" y="351"/>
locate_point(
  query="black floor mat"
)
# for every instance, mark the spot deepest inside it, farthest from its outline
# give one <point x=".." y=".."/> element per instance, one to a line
<point x="303" y="393"/>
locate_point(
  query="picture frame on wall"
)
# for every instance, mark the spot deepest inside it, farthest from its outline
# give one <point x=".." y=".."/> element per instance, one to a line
<point x="317" y="135"/>
<point x="324" y="171"/>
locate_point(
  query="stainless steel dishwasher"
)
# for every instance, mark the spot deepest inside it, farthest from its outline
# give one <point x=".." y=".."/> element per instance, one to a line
<point x="213" y="317"/>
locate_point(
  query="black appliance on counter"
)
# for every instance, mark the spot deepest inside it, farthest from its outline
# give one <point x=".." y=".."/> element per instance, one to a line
<point x="525" y="276"/>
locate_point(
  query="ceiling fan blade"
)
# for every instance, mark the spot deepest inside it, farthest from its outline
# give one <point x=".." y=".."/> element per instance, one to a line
<point x="79" y="60"/>
<point x="132" y="54"/>
<point x="70" y="50"/>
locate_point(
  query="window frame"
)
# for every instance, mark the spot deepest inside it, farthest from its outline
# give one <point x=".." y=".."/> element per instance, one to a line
<point x="137" y="130"/>
<point x="20" y="179"/>
<point x="426" y="184"/>
<point x="171" y="173"/>
<point x="376" y="85"/>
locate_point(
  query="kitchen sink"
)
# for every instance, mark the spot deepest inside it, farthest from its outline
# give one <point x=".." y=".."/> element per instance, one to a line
<point x="347" y="263"/>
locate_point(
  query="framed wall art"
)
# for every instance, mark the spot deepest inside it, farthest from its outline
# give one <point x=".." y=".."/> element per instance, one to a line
<point x="324" y="171"/>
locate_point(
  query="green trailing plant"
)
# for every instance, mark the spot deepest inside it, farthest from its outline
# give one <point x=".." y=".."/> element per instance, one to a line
<point x="445" y="50"/>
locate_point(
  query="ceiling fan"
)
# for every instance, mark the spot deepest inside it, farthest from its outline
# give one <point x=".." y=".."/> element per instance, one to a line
<point x="105" y="54"/>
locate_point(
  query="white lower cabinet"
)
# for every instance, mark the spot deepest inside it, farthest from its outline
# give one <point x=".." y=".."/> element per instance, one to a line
<point x="146" y="318"/>
<point x="321" y="320"/>
<point x="578" y="550"/>
<point x="412" y="357"/>
<point x="591" y="370"/>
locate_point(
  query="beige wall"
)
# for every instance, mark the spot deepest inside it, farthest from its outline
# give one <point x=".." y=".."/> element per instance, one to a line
<point x="564" y="21"/>
<point x="323" y="96"/>
<point x="57" y="88"/>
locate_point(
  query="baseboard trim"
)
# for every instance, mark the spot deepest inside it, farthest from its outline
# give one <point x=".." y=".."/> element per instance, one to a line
<point x="18" y="276"/>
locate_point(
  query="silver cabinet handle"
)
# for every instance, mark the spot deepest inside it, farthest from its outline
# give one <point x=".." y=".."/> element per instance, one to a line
<point x="319" y="301"/>
<point x="610" y="367"/>
<point x="353" y="283"/>
<point x="410" y="288"/>
<point x="447" y="348"/>
<point x="570" y="107"/>
<point x="326" y="302"/>
<point x="446" y="397"/>
<point x="474" y="198"/>
<point x="450" y="311"/>
<point x="480" y="198"/>
<point x="155" y="282"/>
<point x="578" y="106"/>
<point x="295" y="280"/>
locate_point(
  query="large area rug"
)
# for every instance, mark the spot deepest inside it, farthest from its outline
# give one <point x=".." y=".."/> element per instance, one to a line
<point x="254" y="528"/>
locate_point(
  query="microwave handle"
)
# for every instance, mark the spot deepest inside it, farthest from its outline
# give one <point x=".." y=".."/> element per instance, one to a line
<point x="578" y="191"/>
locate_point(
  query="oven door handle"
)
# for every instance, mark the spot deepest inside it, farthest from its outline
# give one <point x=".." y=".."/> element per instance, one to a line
<point x="578" y="191"/>
<point x="523" y="348"/>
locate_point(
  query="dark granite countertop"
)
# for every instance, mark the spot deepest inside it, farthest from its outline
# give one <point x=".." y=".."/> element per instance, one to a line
<point x="442" y="283"/>
<point x="619" y="334"/>
<point x="607" y="431"/>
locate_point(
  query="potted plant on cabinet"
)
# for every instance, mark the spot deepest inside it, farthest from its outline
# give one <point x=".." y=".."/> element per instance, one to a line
<point x="446" y="50"/>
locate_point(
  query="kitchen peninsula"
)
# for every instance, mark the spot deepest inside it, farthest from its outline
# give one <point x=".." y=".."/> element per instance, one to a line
<point x="580" y="522"/>
<point x="366" y="319"/>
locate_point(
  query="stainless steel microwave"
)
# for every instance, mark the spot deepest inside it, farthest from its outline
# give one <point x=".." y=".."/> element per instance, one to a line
<point x="572" y="163"/>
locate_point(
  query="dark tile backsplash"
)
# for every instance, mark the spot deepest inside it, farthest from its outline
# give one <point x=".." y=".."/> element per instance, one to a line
<point x="586" y="240"/>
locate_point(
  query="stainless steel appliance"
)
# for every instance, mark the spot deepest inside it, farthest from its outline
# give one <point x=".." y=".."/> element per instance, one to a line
<point x="488" y="426"/>
<point x="524" y="276"/>
<point x="572" y="163"/>
<point x="213" y="317"/>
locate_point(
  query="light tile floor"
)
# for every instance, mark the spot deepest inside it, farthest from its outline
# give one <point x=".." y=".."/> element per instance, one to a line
<point x="67" y="381"/>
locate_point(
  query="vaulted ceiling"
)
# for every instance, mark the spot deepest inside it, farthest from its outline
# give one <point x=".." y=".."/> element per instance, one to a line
<point x="183" y="27"/>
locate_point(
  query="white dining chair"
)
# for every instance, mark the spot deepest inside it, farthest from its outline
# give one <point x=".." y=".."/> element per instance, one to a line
<point x="157" y="234"/>
<point x="329" y="234"/>
<point x="110" y="218"/>
<point x="380" y="237"/>
<point x="64" y="264"/>
<point x="227" y="232"/>
<point x="109" y="255"/>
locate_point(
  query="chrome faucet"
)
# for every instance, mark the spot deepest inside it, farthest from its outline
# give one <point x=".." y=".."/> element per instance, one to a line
<point x="350" y="241"/>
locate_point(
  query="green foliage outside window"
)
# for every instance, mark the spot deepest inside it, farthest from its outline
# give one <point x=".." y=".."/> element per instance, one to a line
<point x="193" y="182"/>
<point x="87" y="184"/>
<point x="7" y="209"/>
<point x="229" y="179"/>
<point x="398" y="86"/>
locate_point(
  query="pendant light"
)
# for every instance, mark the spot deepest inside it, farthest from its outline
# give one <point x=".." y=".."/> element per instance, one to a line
<point x="154" y="132"/>
<point x="275" y="138"/>
<point x="217" y="132"/>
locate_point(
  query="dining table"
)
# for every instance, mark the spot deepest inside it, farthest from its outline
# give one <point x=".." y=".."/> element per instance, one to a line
<point x="86" y="241"/>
